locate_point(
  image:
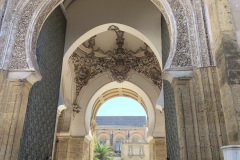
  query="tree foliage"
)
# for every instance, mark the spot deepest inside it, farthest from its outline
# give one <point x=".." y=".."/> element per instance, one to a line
<point x="102" y="152"/>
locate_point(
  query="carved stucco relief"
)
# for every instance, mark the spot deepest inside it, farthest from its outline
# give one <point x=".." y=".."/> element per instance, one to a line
<point x="192" y="46"/>
<point x="6" y="26"/>
<point x="119" y="62"/>
<point x="30" y="23"/>
<point x="201" y="26"/>
<point x="179" y="12"/>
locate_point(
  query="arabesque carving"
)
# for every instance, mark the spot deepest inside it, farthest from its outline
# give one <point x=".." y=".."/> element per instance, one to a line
<point x="32" y="16"/>
<point x="188" y="50"/>
<point x="118" y="62"/>
<point x="26" y="25"/>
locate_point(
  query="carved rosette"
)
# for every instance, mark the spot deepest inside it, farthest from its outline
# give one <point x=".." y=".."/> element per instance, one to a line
<point x="118" y="62"/>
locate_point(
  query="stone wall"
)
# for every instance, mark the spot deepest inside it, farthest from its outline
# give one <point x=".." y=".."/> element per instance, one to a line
<point x="72" y="148"/>
<point x="227" y="55"/>
<point x="160" y="148"/>
<point x="210" y="133"/>
<point x="39" y="124"/>
<point x="13" y="102"/>
<point x="134" y="152"/>
<point x="200" y="118"/>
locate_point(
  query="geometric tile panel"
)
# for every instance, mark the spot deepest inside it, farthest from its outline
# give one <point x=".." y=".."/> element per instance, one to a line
<point x="39" y="124"/>
<point x="165" y="41"/>
<point x="169" y="101"/>
<point x="170" y="122"/>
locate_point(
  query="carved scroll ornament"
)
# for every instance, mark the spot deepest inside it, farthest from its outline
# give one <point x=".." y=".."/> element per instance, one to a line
<point x="119" y="62"/>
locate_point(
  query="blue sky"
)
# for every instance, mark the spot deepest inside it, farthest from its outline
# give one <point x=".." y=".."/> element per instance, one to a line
<point x="121" y="106"/>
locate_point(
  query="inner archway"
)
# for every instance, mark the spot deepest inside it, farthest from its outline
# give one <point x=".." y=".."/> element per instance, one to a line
<point x="121" y="123"/>
<point x="110" y="56"/>
<point x="128" y="135"/>
<point x="113" y="94"/>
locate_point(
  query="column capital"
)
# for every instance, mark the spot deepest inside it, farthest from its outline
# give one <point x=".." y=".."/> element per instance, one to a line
<point x="30" y="76"/>
<point x="171" y="75"/>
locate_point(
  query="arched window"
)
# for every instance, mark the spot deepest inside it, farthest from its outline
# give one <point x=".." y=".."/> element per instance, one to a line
<point x="103" y="140"/>
<point x="119" y="144"/>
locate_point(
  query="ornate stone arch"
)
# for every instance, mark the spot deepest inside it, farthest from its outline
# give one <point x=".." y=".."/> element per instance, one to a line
<point x="115" y="89"/>
<point x="28" y="19"/>
<point x="178" y="14"/>
<point x="112" y="93"/>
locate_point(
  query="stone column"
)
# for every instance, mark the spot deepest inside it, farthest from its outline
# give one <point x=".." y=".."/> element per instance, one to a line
<point x="226" y="52"/>
<point x="72" y="148"/>
<point x="200" y="119"/>
<point x="151" y="149"/>
<point x="59" y="111"/>
<point x="185" y="120"/>
<point x="61" y="149"/>
<point x="158" y="147"/>
<point x="91" y="149"/>
<point x="13" y="103"/>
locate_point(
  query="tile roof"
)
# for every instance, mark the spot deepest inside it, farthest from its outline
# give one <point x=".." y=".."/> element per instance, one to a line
<point x="125" y="121"/>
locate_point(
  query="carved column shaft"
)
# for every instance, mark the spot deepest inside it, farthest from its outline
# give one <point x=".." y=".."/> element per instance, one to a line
<point x="201" y="124"/>
<point x="186" y="134"/>
<point x="13" y="103"/>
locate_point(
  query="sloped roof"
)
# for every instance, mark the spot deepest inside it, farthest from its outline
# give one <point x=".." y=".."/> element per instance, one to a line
<point x="124" y="121"/>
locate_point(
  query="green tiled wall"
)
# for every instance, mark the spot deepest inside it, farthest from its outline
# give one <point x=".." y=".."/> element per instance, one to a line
<point x="39" y="124"/>
<point x="169" y="102"/>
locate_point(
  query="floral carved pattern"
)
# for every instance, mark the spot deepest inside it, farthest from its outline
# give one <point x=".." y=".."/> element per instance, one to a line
<point x="118" y="62"/>
<point x="34" y="13"/>
<point x="182" y="56"/>
<point x="19" y="59"/>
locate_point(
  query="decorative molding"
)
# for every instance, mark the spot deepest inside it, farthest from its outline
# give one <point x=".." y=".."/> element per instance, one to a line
<point x="89" y="62"/>
<point x="192" y="49"/>
<point x="188" y="47"/>
<point x="28" y="29"/>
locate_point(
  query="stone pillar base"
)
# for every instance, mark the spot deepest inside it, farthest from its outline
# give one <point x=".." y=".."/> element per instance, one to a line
<point x="72" y="148"/>
<point x="158" y="147"/>
<point x="231" y="152"/>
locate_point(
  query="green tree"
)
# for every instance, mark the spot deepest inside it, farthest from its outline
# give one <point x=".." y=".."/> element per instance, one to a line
<point x="102" y="152"/>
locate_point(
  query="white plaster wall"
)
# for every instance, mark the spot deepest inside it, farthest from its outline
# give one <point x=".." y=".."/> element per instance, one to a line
<point x="84" y="15"/>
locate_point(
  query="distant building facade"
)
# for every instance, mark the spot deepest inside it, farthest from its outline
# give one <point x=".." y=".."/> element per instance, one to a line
<point x="126" y="134"/>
